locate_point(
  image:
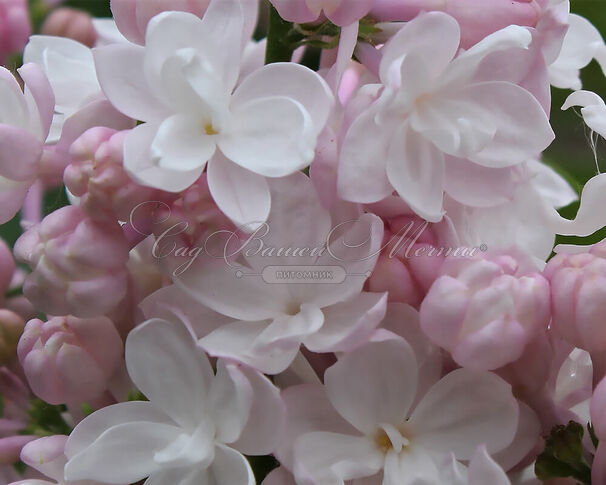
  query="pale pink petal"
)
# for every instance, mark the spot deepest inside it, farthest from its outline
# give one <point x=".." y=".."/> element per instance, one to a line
<point x="88" y="430"/>
<point x="230" y="468"/>
<point x="348" y="324"/>
<point x="293" y="81"/>
<point x="122" y="454"/>
<point x="272" y="136"/>
<point x="415" y="168"/>
<point x="242" y="195"/>
<point x="164" y="363"/>
<point x="266" y="418"/>
<point x="483" y="470"/>
<point x="464" y="410"/>
<point x="231" y="398"/>
<point x="374" y="384"/>
<point x="20" y="154"/>
<point x="237" y="342"/>
<point x="307" y="409"/>
<point x="120" y="71"/>
<point x="333" y="458"/>
<point x="139" y="163"/>
<point x="361" y="175"/>
<point x="418" y="36"/>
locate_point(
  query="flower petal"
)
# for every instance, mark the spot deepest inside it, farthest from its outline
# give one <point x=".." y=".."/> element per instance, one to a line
<point x="332" y="458"/>
<point x="272" y="136"/>
<point x="120" y="71"/>
<point x="164" y="363"/>
<point x="93" y="426"/>
<point x="122" y="454"/>
<point x="139" y="163"/>
<point x="181" y="144"/>
<point x="348" y="324"/>
<point x="374" y="385"/>
<point x="464" y="410"/>
<point x="415" y="168"/>
<point x="242" y="195"/>
<point x="293" y="81"/>
<point x="266" y="418"/>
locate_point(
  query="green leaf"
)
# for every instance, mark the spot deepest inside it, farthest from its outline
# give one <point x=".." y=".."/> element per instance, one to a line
<point x="564" y="455"/>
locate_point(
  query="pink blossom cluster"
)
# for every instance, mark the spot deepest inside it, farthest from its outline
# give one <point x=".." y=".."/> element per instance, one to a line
<point x="345" y="272"/>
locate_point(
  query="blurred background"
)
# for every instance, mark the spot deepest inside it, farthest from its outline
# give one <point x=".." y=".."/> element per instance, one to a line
<point x="571" y="154"/>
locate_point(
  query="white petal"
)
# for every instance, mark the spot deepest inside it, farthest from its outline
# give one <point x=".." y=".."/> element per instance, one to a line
<point x="415" y="168"/>
<point x="413" y="466"/>
<point x="122" y="454"/>
<point x="181" y="144"/>
<point x="230" y="468"/>
<point x="241" y="297"/>
<point x="93" y="426"/>
<point x="374" y="384"/>
<point x="361" y="175"/>
<point x="120" y="71"/>
<point x="554" y="188"/>
<point x="526" y="438"/>
<point x="237" y="342"/>
<point x="308" y="409"/>
<point x="272" y="136"/>
<point x="139" y="163"/>
<point x="348" y="324"/>
<point x="523" y="128"/>
<point x="418" y="36"/>
<point x="231" y="398"/>
<point x="164" y="363"/>
<point x="355" y="246"/>
<point x="266" y="418"/>
<point x="242" y="195"/>
<point x="464" y="410"/>
<point x="477" y="186"/>
<point x="483" y="470"/>
<point x="70" y="69"/>
<point x="293" y="81"/>
<point x="331" y="458"/>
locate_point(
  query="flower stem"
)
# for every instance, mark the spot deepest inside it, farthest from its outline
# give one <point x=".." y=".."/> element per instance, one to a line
<point x="278" y="48"/>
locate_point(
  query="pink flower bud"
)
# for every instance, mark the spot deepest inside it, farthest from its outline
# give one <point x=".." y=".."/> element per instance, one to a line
<point x="97" y="176"/>
<point x="340" y="12"/>
<point x="71" y="23"/>
<point x="78" y="264"/>
<point x="47" y="455"/>
<point x="11" y="328"/>
<point x="7" y="268"/>
<point x="484" y="311"/>
<point x="578" y="297"/>
<point x="10" y="448"/>
<point x="477" y="19"/>
<point x="132" y="16"/>
<point x="15" y="27"/>
<point x="69" y="359"/>
<point x="16" y="397"/>
<point x="410" y="261"/>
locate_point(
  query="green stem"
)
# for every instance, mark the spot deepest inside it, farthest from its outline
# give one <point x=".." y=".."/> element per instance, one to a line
<point x="278" y="48"/>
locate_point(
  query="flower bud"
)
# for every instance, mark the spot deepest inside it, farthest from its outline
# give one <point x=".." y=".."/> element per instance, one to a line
<point x="69" y="359"/>
<point x="11" y="328"/>
<point x="10" y="448"/>
<point x="97" y="176"/>
<point x="71" y="23"/>
<point x="578" y="297"/>
<point x="15" y="27"/>
<point x="78" y="264"/>
<point x="477" y="19"/>
<point x="132" y="16"/>
<point x="7" y="268"/>
<point x="485" y="310"/>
